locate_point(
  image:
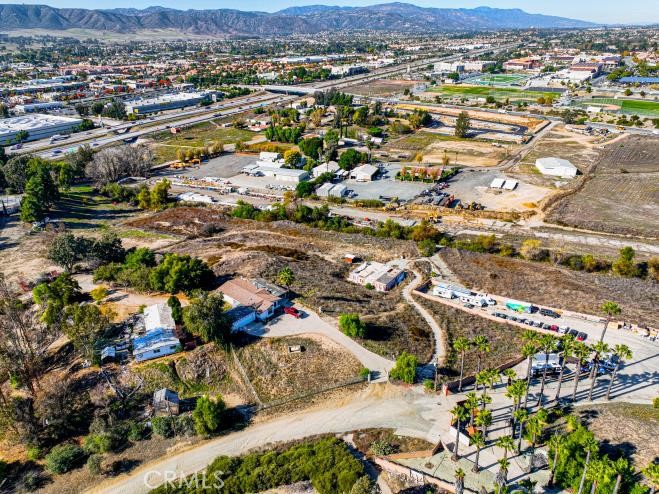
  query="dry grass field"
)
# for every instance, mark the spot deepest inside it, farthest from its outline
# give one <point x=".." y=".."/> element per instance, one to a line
<point x="257" y="249"/>
<point x="622" y="193"/>
<point x="505" y="340"/>
<point x="277" y="373"/>
<point x="554" y="286"/>
<point x="380" y="87"/>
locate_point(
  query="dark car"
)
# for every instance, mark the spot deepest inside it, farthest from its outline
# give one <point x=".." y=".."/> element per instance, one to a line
<point x="582" y="336"/>
<point x="549" y="313"/>
<point x="468" y="305"/>
<point x="573" y="332"/>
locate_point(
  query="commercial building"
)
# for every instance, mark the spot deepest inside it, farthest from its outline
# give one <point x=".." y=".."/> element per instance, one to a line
<point x="35" y="107"/>
<point x="556" y="167"/>
<point x="171" y="101"/>
<point x="329" y="189"/>
<point x="274" y="170"/>
<point x="377" y="275"/>
<point x="364" y="173"/>
<point x="329" y="167"/>
<point x="346" y="70"/>
<point x="37" y="126"/>
<point x="529" y="63"/>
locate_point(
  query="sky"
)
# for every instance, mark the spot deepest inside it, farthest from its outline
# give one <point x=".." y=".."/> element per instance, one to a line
<point x="604" y="11"/>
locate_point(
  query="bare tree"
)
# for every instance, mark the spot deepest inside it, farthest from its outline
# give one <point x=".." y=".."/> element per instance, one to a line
<point x="112" y="164"/>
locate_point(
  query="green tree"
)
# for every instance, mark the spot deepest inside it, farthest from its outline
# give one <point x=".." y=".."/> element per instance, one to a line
<point x="16" y="172"/>
<point x="205" y="318"/>
<point x="364" y="485"/>
<point x="462" y="125"/>
<point x="82" y="326"/>
<point x="482" y="346"/>
<point x="427" y="247"/>
<point x="461" y="345"/>
<point x="507" y="443"/>
<point x="459" y="481"/>
<point x="460" y="414"/>
<point x="547" y="344"/>
<point x="159" y="194"/>
<point x="478" y="441"/>
<point x="599" y="349"/>
<point x="625" y="265"/>
<point x="292" y="158"/>
<point x="53" y="297"/>
<point x="484" y="420"/>
<point x="352" y="326"/>
<point x="63" y="458"/>
<point x="66" y="250"/>
<point x="581" y="352"/>
<point x="65" y="176"/>
<point x="567" y="350"/>
<point x="311" y="147"/>
<point x="623" y="353"/>
<point x="144" y="198"/>
<point x="405" y="368"/>
<point x="208" y="415"/>
<point x="286" y="277"/>
<point x="180" y="273"/>
<point x="177" y="312"/>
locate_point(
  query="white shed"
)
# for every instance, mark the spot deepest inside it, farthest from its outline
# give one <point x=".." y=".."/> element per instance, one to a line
<point x="557" y="167"/>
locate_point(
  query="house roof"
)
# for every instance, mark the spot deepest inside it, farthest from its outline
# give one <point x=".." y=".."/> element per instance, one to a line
<point x="158" y="316"/>
<point x="154" y="339"/>
<point x="165" y="394"/>
<point x="247" y="293"/>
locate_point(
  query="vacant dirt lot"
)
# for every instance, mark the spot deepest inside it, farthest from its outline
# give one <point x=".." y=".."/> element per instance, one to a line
<point x="554" y="286"/>
<point x="626" y="429"/>
<point x="256" y="249"/>
<point x="505" y="340"/>
<point x="381" y="87"/>
<point x="276" y="373"/>
<point x="622" y="193"/>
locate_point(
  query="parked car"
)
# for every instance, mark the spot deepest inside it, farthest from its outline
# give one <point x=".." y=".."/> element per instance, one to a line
<point x="545" y="325"/>
<point x="537" y="324"/>
<point x="468" y="305"/>
<point x="529" y="323"/>
<point x="582" y="336"/>
<point x="573" y="332"/>
<point x="563" y="329"/>
<point x="553" y="327"/>
<point x="292" y="311"/>
<point x="549" y="313"/>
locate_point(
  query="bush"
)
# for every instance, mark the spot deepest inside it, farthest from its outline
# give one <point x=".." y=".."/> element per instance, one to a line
<point x="427" y="247"/>
<point x="163" y="426"/>
<point x="94" y="464"/>
<point x="405" y="368"/>
<point x="381" y="447"/>
<point x="64" y="458"/>
<point x="532" y="250"/>
<point x="99" y="293"/>
<point x="364" y="373"/>
<point x="352" y="326"/>
<point x="34" y="453"/>
<point x="136" y="432"/>
<point x="97" y="443"/>
<point x="207" y="415"/>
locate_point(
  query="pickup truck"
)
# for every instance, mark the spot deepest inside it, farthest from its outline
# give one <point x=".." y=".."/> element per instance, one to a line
<point x="292" y="311"/>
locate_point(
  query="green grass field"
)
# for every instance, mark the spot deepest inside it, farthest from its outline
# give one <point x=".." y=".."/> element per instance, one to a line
<point x="470" y="92"/>
<point x="497" y="79"/>
<point x="626" y="106"/>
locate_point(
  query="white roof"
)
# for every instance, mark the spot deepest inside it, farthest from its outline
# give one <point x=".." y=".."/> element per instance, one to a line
<point x="167" y="98"/>
<point x="552" y="162"/>
<point x="497" y="183"/>
<point x="330" y="167"/>
<point x="158" y="316"/>
<point x="510" y="184"/>
<point x="365" y="170"/>
<point x="34" y="122"/>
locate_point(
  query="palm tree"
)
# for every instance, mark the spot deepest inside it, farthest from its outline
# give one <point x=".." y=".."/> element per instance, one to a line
<point x="599" y="348"/>
<point x="651" y="474"/>
<point x="590" y="445"/>
<point x="502" y="474"/>
<point x="472" y="403"/>
<point x="610" y="309"/>
<point x="461" y="345"/>
<point x="477" y="440"/>
<point x="521" y="415"/>
<point x="515" y="391"/>
<point x="459" y="481"/>
<point x="528" y="351"/>
<point x="286" y="277"/>
<point x="481" y="379"/>
<point x="556" y="443"/>
<point x="623" y="353"/>
<point x="507" y="443"/>
<point x="581" y="352"/>
<point x="484" y="400"/>
<point x="460" y="414"/>
<point x="621" y="467"/>
<point x="567" y="342"/>
<point x="484" y="420"/>
<point x="510" y="375"/>
<point x="482" y="346"/>
<point x="599" y="470"/>
<point x="527" y="485"/>
<point x="547" y="345"/>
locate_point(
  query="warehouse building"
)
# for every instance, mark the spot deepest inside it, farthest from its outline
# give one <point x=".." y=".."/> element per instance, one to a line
<point x="35" y="107"/>
<point x="557" y="167"/>
<point x="329" y="189"/>
<point x="37" y="126"/>
<point x="170" y="101"/>
<point x="274" y="170"/>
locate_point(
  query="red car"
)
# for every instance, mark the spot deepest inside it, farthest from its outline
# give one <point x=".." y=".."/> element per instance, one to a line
<point x="293" y="312"/>
<point x="553" y="327"/>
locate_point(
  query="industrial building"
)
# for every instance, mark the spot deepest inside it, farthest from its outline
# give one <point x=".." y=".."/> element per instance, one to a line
<point x="170" y="101"/>
<point x="274" y="170"/>
<point x="557" y="167"/>
<point x="364" y="173"/>
<point x="34" y="107"/>
<point x="329" y="189"/>
<point x="37" y="126"/>
<point x="379" y="276"/>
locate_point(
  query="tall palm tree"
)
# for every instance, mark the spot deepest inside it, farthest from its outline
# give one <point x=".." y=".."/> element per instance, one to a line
<point x="481" y="379"/>
<point x="484" y="400"/>
<point x="482" y="346"/>
<point x="623" y="353"/>
<point x="581" y="352"/>
<point x="521" y="415"/>
<point x="472" y="403"/>
<point x="484" y="420"/>
<point x="459" y="481"/>
<point x="556" y="443"/>
<point x="460" y="414"/>
<point x="621" y="467"/>
<point x="461" y="345"/>
<point x="515" y="391"/>
<point x="598" y="470"/>
<point x="502" y="474"/>
<point x="477" y="440"/>
<point x="590" y="446"/>
<point x="510" y="375"/>
<point x="567" y="342"/>
<point x="599" y="348"/>
<point x="528" y="351"/>
<point x="610" y="309"/>
<point x="507" y="443"/>
<point x="547" y="345"/>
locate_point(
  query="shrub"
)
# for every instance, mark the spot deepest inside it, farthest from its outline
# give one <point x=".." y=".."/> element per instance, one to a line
<point x="94" y="464"/>
<point x="163" y="426"/>
<point x="405" y="368"/>
<point x="97" y="443"/>
<point x="34" y="453"/>
<point x="364" y="372"/>
<point x="533" y="251"/>
<point x="207" y="415"/>
<point x="381" y="447"/>
<point x="352" y="326"/>
<point x="427" y="247"/>
<point x="429" y="385"/>
<point x="64" y="458"/>
<point x="99" y="293"/>
<point x="136" y="432"/>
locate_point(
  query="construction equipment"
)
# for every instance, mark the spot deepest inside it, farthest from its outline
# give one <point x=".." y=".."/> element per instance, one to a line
<point x="178" y="165"/>
<point x="196" y="161"/>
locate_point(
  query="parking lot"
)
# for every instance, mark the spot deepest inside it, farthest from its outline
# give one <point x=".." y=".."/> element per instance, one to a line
<point x="386" y="185"/>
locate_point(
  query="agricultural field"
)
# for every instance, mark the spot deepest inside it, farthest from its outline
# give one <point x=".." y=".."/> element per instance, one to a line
<point x="505" y="340"/>
<point x="546" y="284"/>
<point x="621" y="195"/>
<point x="498" y="79"/>
<point x="277" y="374"/>
<point x="204" y="134"/>
<point x="256" y="249"/>
<point x="643" y="108"/>
<point x="380" y="87"/>
<point x="499" y="93"/>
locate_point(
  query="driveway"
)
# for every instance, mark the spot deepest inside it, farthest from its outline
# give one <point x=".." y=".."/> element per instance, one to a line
<point x="312" y="323"/>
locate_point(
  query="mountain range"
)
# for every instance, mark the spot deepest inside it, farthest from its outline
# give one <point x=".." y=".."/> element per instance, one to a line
<point x="401" y="17"/>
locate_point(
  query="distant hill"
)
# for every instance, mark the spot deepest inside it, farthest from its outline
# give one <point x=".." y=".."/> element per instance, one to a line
<point x="309" y="19"/>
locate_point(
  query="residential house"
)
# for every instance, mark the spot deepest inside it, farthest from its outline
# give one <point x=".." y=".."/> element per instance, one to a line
<point x="257" y="296"/>
<point x="165" y="402"/>
<point x="381" y="277"/>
